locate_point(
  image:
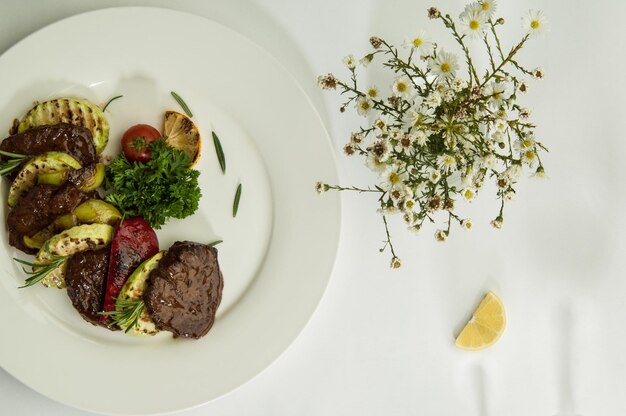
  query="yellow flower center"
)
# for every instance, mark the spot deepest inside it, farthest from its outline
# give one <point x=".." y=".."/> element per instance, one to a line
<point x="469" y="194"/>
<point x="365" y="105"/>
<point x="530" y="155"/>
<point x="485" y="6"/>
<point x="372" y="93"/>
<point x="448" y="160"/>
<point x="535" y="24"/>
<point x="394" y="178"/>
<point x="474" y="24"/>
<point x="445" y="67"/>
<point x="401" y="86"/>
<point x="527" y="143"/>
<point x="417" y="42"/>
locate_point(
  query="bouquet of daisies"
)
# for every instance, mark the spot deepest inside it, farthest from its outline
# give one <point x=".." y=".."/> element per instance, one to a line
<point x="446" y="127"/>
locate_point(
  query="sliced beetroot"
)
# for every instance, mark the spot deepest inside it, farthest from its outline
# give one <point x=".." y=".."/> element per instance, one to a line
<point x="134" y="241"/>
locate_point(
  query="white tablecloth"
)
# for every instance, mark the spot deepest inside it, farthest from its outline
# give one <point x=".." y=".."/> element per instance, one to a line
<point x="381" y="341"/>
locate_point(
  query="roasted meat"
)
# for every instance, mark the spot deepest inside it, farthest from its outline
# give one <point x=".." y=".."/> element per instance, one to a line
<point x="85" y="278"/>
<point x="185" y="290"/>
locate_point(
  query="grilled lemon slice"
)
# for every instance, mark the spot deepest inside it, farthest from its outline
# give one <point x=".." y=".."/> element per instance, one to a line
<point x="181" y="133"/>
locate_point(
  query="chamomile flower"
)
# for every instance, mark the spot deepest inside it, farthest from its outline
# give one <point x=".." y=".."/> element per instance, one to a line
<point x="524" y="144"/>
<point x="444" y="65"/>
<point x="469" y="194"/>
<point x="363" y="106"/>
<point x="382" y="123"/>
<point x="405" y="143"/>
<point x="433" y="100"/>
<point x="489" y="7"/>
<point x="350" y="61"/>
<point x="434" y="176"/>
<point x="374" y="163"/>
<point x="407" y="204"/>
<point x="349" y="149"/>
<point x="523" y="87"/>
<point x="356" y="138"/>
<point x="538" y="73"/>
<point x="421" y="138"/>
<point x="409" y="218"/>
<point x="372" y="92"/>
<point x="395" y="263"/>
<point x="441" y="235"/>
<point x="419" y="42"/>
<point x="381" y="149"/>
<point x="535" y="23"/>
<point x="391" y="178"/>
<point x="496" y="92"/>
<point x="446" y="163"/>
<point x="467" y="224"/>
<point x="327" y="82"/>
<point x="402" y="87"/>
<point x="458" y="84"/>
<point x="473" y="22"/>
<point x="321" y="187"/>
<point x="529" y="157"/>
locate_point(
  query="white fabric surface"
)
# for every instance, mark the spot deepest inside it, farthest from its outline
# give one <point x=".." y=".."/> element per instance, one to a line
<point x="381" y="341"/>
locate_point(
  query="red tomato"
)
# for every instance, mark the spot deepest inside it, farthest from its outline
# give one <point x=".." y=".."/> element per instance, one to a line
<point x="132" y="151"/>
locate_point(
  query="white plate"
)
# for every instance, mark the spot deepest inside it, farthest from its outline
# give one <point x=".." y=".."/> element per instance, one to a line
<point x="277" y="254"/>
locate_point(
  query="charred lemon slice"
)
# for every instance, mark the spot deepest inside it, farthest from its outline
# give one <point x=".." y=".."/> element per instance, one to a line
<point x="181" y="133"/>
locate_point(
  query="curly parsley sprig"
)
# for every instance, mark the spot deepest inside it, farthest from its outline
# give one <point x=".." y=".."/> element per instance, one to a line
<point x="162" y="188"/>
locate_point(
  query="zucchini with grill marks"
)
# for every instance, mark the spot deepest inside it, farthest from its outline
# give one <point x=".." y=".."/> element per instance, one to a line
<point x="76" y="111"/>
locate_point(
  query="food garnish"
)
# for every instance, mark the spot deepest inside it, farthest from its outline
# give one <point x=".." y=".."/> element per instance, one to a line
<point x="135" y="141"/>
<point x="40" y="270"/>
<point x="110" y="101"/>
<point x="127" y="313"/>
<point x="219" y="151"/>
<point x="486" y="325"/>
<point x="236" y="201"/>
<point x="180" y="132"/>
<point x="157" y="190"/>
<point x="182" y="104"/>
<point x="11" y="162"/>
<point x="214" y="243"/>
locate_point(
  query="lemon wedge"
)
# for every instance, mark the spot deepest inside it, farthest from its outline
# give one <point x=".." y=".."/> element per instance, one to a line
<point x="485" y="327"/>
<point x="181" y="133"/>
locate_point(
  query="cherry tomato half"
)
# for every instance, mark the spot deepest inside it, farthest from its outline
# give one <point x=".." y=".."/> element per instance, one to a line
<point x="134" y="138"/>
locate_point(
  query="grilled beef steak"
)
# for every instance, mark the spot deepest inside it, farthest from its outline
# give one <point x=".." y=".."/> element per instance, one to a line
<point x="85" y="278"/>
<point x="74" y="140"/>
<point x="185" y="290"/>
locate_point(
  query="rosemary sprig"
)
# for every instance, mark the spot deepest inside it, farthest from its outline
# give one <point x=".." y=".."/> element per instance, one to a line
<point x="219" y="151"/>
<point x="110" y="101"/>
<point x="13" y="161"/>
<point x="39" y="270"/>
<point x="182" y="103"/>
<point x="236" y="201"/>
<point x="128" y="313"/>
<point x="214" y="243"/>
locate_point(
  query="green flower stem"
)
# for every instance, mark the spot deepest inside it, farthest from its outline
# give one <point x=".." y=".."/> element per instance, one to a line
<point x="510" y="56"/>
<point x="447" y="20"/>
<point x="388" y="241"/>
<point x="354" y="188"/>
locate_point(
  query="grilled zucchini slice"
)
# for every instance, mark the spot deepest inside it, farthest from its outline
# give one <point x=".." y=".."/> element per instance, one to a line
<point x="43" y="163"/>
<point x="133" y="290"/>
<point x="76" y="111"/>
<point x="69" y="242"/>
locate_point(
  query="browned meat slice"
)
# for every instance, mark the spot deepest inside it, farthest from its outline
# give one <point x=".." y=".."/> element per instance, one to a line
<point x="185" y="290"/>
<point x="73" y="140"/>
<point x="66" y="199"/>
<point x="39" y="208"/>
<point x="30" y="214"/>
<point x="85" y="278"/>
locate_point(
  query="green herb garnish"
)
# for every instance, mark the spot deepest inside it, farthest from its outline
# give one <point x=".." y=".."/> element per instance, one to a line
<point x="214" y="243"/>
<point x="182" y="103"/>
<point x="219" y="151"/>
<point x="40" y="270"/>
<point x="13" y="161"/>
<point x="128" y="313"/>
<point x="110" y="101"/>
<point x="162" y="188"/>
<point x="236" y="201"/>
